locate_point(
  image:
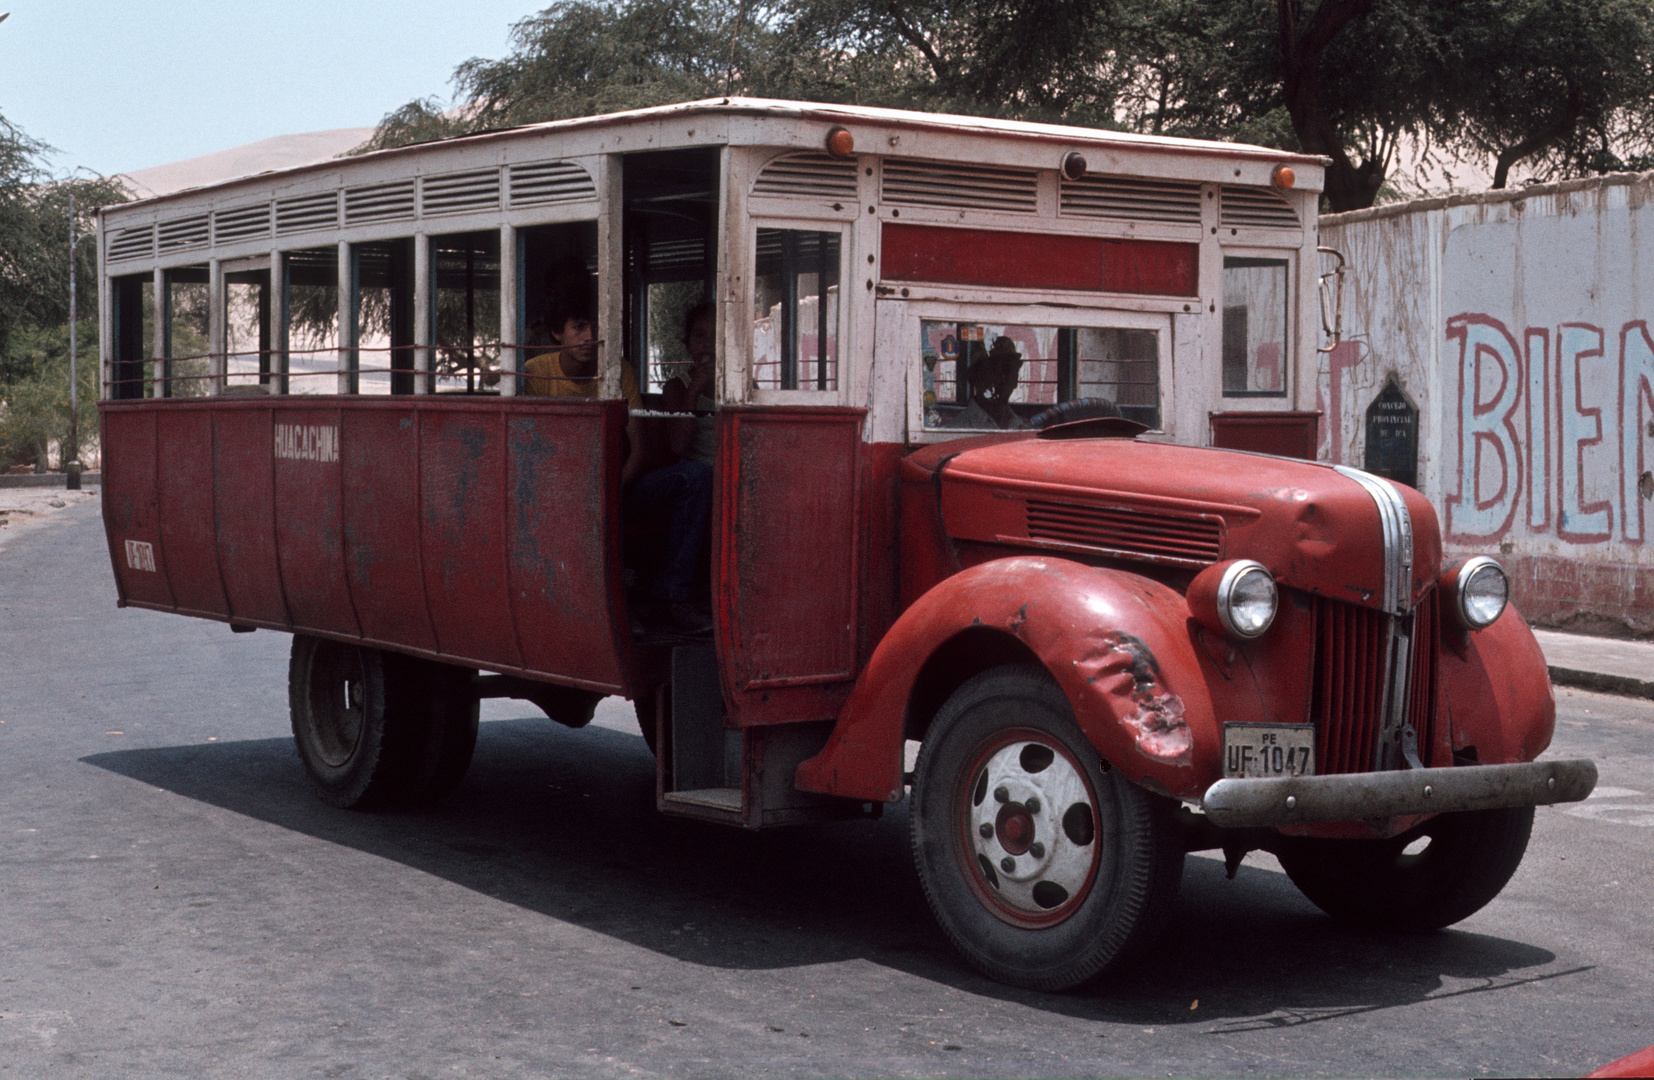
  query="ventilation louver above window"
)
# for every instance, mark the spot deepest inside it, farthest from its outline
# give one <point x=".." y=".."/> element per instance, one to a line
<point x="182" y="234"/>
<point x="247" y="223"/>
<point x="380" y="202"/>
<point x="132" y="243"/>
<point x="807" y="176"/>
<point x="1119" y="199"/>
<point x="544" y="183"/>
<point x="305" y="212"/>
<point x="1256" y="208"/>
<point x="461" y="193"/>
<point x="976" y="187"/>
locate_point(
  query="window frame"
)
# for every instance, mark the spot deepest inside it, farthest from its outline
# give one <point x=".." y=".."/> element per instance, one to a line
<point x="741" y="374"/>
<point x="915" y="312"/>
<point x="1261" y="399"/>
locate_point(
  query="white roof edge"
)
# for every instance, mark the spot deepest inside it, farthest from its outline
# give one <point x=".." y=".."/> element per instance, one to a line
<point x="972" y="125"/>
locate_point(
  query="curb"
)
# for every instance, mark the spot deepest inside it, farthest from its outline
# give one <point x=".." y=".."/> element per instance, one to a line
<point x="48" y="480"/>
<point x="1602" y="683"/>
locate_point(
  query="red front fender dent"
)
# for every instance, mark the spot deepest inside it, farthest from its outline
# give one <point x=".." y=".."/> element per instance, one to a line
<point x="1117" y="644"/>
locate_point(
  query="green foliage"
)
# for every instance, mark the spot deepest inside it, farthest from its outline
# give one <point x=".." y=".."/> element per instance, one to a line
<point x="1560" y="87"/>
<point x="35" y="413"/>
<point x="34" y="295"/>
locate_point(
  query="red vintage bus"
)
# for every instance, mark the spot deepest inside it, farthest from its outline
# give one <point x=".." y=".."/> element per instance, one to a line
<point x="950" y="409"/>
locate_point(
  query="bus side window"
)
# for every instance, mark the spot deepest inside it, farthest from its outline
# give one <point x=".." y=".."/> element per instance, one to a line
<point x="795" y="313"/>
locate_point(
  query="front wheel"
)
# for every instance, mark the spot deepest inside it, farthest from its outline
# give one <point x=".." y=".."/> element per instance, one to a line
<point x="1444" y="870"/>
<point x="1042" y="868"/>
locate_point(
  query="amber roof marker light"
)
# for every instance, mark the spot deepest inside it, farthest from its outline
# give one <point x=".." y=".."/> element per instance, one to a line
<point x="840" y="143"/>
<point x="1283" y="177"/>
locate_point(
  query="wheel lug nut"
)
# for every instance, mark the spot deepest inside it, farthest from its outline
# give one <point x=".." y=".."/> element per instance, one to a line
<point x="985" y="829"/>
<point x="1032" y="805"/>
<point x="1001" y="795"/>
<point x="1008" y="864"/>
<point x="1037" y="850"/>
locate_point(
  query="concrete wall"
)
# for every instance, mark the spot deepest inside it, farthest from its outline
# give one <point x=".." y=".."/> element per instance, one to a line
<point x="1517" y="322"/>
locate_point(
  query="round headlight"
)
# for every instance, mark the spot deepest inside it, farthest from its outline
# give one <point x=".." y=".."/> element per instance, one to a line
<point x="1246" y="599"/>
<point x="1483" y="592"/>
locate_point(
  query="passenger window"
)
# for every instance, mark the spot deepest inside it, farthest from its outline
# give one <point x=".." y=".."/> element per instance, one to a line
<point x="247" y="331"/>
<point x="998" y="377"/>
<point x="187" y="367"/>
<point x="312" y="320"/>
<point x="133" y="312"/>
<point x="795" y="317"/>
<point x="383" y="360"/>
<point x="1255" y="335"/>
<point x="466" y="279"/>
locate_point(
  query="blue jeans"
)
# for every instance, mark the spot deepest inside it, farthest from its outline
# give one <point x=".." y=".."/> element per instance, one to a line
<point x="683" y="494"/>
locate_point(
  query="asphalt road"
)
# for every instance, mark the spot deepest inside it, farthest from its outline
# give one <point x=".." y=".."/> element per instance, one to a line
<point x="175" y="902"/>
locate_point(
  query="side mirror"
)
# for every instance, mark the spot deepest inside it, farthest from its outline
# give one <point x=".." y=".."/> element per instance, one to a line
<point x="1332" y="300"/>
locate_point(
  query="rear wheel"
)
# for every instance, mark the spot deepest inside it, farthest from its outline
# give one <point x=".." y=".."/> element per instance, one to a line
<point x="377" y="729"/>
<point x="1042" y="868"/>
<point x="1429" y="877"/>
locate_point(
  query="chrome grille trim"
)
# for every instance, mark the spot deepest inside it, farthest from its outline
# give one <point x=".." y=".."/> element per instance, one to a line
<point x="1398" y="538"/>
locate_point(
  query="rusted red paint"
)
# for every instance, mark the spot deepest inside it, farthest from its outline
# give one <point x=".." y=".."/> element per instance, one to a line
<point x="482" y="533"/>
<point x="1069" y="615"/>
<point x="787" y="501"/>
<point x="1001" y="259"/>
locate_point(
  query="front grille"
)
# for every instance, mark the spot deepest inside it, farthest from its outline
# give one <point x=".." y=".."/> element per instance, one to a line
<point x="1131" y="531"/>
<point x="1347" y="707"/>
<point x="1347" y="699"/>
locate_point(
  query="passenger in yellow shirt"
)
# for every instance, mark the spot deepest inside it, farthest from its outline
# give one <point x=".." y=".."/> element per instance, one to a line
<point x="683" y="489"/>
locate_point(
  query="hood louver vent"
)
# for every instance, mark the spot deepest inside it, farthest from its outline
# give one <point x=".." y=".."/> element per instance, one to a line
<point x="1117" y="199"/>
<point x="807" y="176"/>
<point x="305" y="212"/>
<point x="380" y="202"/>
<point x="134" y="243"/>
<point x="1130" y="532"/>
<point x="550" y="182"/>
<point x="952" y="187"/>
<point x="1256" y="208"/>
<point x="247" y="223"/>
<point x="461" y="193"/>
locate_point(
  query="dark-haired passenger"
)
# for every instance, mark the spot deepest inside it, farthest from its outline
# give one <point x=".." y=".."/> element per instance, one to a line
<point x="681" y="491"/>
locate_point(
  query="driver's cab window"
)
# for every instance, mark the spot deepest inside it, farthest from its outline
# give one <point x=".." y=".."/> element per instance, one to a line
<point x="984" y="376"/>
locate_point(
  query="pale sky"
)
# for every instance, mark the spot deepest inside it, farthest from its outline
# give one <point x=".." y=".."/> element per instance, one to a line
<point x="119" y="85"/>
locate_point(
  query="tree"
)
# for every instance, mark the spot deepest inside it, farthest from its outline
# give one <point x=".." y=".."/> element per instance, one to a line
<point x="34" y="293"/>
<point x="1562" y="85"/>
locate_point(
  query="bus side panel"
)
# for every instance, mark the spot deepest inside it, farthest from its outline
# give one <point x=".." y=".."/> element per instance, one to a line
<point x="309" y="540"/>
<point x="561" y="532"/>
<point x="131" y="513"/>
<point x="462" y="492"/>
<point x="787" y="509"/>
<point x="381" y="525"/>
<point x="188" y="520"/>
<point x="244" y="498"/>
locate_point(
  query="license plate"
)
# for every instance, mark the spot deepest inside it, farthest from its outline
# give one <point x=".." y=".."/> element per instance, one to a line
<point x="1268" y="750"/>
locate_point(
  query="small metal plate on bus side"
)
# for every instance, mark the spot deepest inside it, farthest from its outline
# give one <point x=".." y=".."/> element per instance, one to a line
<point x="1268" y="750"/>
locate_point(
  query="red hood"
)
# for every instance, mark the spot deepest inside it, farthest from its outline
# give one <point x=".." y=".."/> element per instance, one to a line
<point x="1314" y="527"/>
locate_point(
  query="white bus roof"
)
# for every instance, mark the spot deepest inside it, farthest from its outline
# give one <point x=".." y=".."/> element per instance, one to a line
<point x="851" y="116"/>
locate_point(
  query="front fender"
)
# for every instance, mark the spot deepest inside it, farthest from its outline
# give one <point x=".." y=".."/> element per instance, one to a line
<point x="1117" y="644"/>
<point x="1496" y="692"/>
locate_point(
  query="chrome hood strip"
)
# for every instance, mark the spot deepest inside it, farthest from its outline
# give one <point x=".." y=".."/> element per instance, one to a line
<point x="1398" y="538"/>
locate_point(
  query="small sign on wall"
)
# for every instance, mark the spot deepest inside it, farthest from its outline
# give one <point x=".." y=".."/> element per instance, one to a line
<point x="1393" y="436"/>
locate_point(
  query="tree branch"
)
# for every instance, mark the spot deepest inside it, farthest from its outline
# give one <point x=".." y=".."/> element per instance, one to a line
<point x="1556" y="129"/>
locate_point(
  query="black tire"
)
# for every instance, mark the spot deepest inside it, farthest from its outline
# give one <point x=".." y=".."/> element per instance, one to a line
<point x="376" y="729"/>
<point x="644" y="706"/>
<point x="1095" y="864"/>
<point x="1086" y="408"/>
<point x="1377" y="885"/>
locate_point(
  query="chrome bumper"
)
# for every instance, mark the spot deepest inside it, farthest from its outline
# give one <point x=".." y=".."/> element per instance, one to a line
<point x="1303" y="800"/>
